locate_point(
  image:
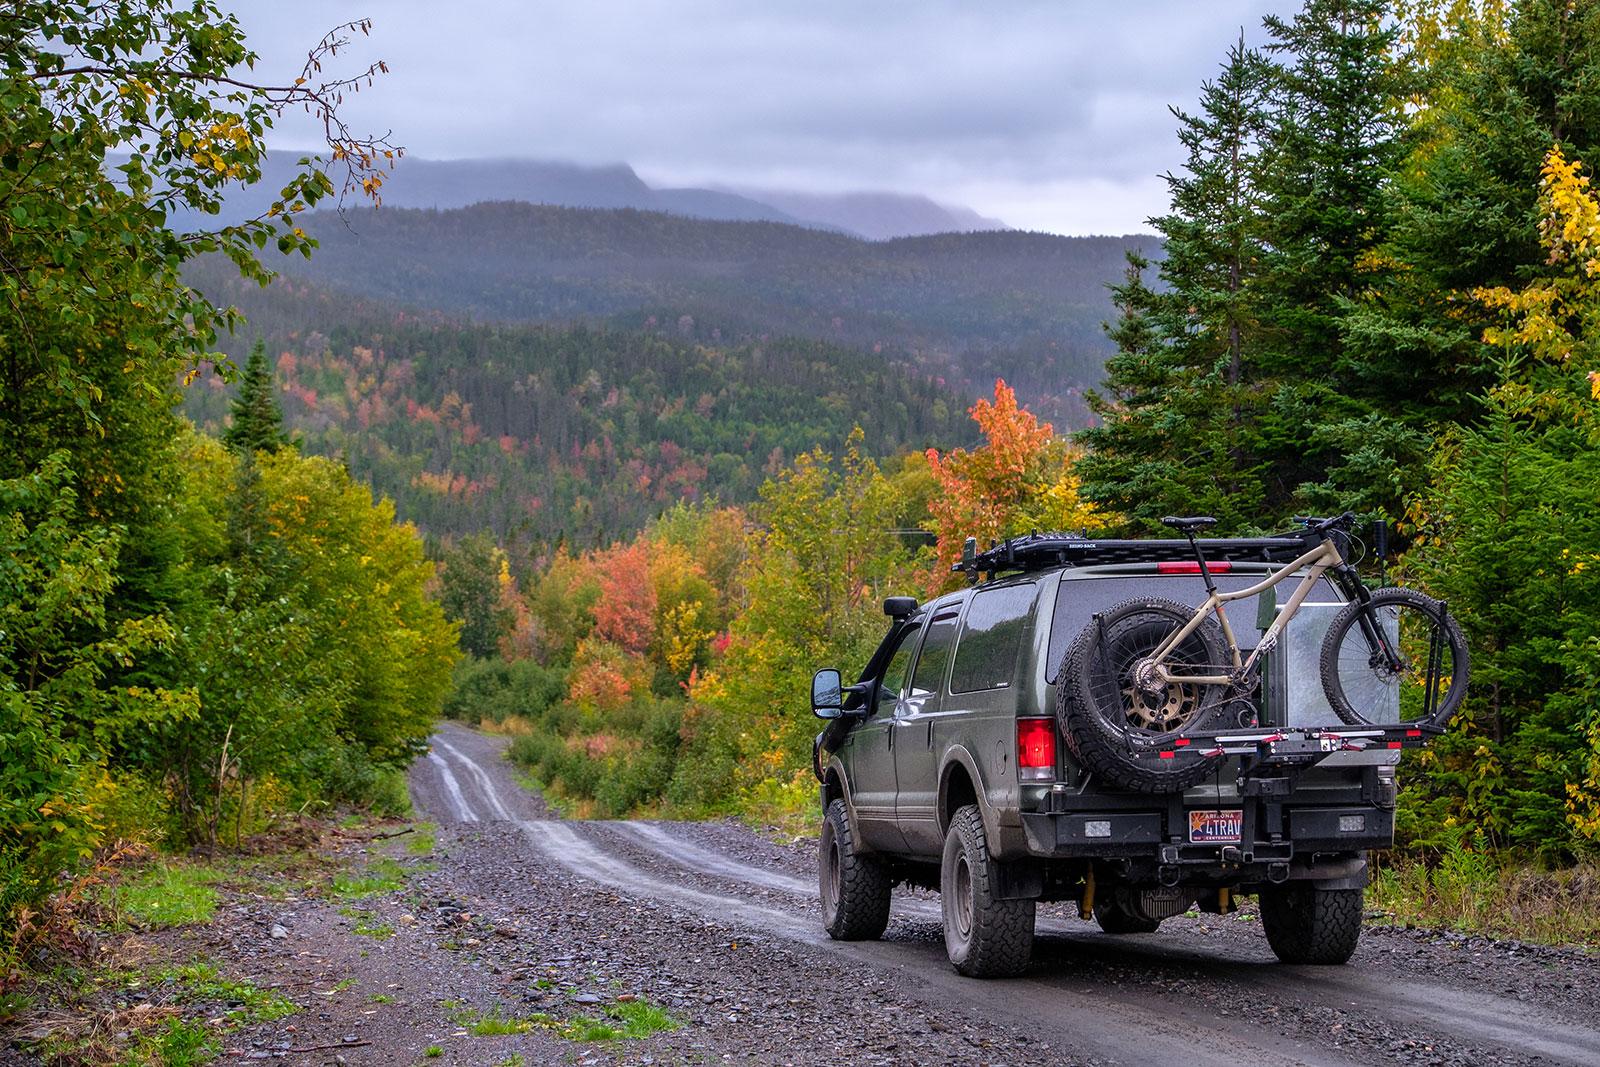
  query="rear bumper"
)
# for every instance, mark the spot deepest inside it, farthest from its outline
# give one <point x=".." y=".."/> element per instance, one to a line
<point x="1325" y="844"/>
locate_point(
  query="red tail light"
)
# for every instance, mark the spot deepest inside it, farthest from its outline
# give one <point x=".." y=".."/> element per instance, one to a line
<point x="1036" y="749"/>
<point x="1185" y="566"/>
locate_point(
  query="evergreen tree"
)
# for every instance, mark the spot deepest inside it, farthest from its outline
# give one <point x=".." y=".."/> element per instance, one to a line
<point x="1507" y="536"/>
<point x="1494" y="94"/>
<point x="1335" y="141"/>
<point x="1180" y="391"/>
<point x="470" y="593"/>
<point x="257" y="421"/>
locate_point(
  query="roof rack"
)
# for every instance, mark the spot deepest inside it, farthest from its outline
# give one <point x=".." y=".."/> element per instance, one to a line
<point x="1048" y="550"/>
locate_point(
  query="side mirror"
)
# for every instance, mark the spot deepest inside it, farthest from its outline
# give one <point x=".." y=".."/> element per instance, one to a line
<point x="827" y="694"/>
<point x="898" y="607"/>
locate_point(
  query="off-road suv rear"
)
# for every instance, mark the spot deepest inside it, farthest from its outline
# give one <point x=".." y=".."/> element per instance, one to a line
<point x="944" y="767"/>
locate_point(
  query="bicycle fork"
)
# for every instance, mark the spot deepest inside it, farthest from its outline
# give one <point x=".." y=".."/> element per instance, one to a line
<point x="1383" y="651"/>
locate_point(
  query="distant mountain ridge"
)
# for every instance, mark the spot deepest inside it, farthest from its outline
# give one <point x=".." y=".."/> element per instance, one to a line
<point x="459" y="183"/>
<point x="558" y="434"/>
<point x="875" y="216"/>
<point x="973" y="306"/>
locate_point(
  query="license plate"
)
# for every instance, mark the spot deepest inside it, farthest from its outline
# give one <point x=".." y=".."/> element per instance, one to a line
<point x="1224" y="827"/>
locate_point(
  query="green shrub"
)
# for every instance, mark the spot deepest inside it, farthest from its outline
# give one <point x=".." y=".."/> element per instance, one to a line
<point x="493" y="690"/>
<point x="637" y="765"/>
<point x="634" y="782"/>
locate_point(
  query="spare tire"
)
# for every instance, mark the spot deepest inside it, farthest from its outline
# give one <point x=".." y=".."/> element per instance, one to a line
<point x="1119" y="732"/>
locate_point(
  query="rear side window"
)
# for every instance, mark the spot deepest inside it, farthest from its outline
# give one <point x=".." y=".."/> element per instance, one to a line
<point x="991" y="638"/>
<point x="934" y="659"/>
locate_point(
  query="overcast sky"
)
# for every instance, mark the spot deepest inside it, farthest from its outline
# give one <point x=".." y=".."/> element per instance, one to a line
<point x="1048" y="115"/>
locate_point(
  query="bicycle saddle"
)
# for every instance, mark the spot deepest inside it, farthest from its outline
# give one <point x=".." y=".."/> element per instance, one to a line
<point x="1188" y="523"/>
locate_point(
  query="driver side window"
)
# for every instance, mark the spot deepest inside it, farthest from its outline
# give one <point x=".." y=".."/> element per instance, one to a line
<point x="894" y="675"/>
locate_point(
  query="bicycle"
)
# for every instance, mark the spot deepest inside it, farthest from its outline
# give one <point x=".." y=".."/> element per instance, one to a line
<point x="1149" y="673"/>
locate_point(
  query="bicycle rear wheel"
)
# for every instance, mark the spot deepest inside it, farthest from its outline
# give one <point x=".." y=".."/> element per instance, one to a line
<point x="1400" y="658"/>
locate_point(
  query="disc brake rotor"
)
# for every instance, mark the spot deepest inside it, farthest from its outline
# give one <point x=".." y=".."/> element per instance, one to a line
<point x="1160" y="711"/>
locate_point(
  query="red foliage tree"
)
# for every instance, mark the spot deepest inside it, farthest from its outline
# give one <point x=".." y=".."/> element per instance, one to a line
<point x="625" y="613"/>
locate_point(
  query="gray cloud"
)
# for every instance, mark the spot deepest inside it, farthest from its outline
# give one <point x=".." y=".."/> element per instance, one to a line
<point x="1050" y="115"/>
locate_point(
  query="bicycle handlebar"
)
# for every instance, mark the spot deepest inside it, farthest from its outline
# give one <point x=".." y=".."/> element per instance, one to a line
<point x="1338" y="522"/>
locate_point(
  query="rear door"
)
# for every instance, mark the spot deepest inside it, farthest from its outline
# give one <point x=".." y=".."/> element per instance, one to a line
<point x="916" y="765"/>
<point x="870" y="759"/>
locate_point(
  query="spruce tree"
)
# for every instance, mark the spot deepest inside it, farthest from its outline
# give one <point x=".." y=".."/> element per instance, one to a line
<point x="1336" y="138"/>
<point x="1495" y="95"/>
<point x="1180" y="390"/>
<point x="257" y="422"/>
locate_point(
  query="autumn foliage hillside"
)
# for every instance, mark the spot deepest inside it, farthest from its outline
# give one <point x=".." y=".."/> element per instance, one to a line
<point x="668" y="670"/>
<point x="567" y="435"/>
<point x="971" y="305"/>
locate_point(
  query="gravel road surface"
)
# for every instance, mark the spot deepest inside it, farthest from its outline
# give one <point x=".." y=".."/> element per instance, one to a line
<point x="720" y="926"/>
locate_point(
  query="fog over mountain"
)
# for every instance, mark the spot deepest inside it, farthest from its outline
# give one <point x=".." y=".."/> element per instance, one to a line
<point x="877" y="216"/>
<point x="457" y="183"/>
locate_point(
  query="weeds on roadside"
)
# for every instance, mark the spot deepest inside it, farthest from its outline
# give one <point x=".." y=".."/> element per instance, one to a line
<point x="202" y="983"/>
<point x="367" y="924"/>
<point x="424" y="839"/>
<point x="628" y="1020"/>
<point x="495" y="1025"/>
<point x="382" y="875"/>
<point x="169" y="894"/>
<point x="178" y="1043"/>
<point x="1467" y="890"/>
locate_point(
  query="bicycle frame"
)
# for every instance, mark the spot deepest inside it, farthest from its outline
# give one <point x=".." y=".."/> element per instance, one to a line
<point x="1321" y="559"/>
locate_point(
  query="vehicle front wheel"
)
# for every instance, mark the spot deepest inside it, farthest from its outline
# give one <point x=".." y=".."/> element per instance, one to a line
<point x="986" y="936"/>
<point x="855" y="888"/>
<point x="1305" y="924"/>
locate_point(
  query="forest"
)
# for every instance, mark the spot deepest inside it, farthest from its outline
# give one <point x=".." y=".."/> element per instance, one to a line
<point x="574" y="436"/>
<point x="662" y="671"/>
<point x="200" y="637"/>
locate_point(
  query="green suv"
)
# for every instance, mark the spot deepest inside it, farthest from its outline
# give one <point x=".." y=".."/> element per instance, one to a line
<point x="945" y="766"/>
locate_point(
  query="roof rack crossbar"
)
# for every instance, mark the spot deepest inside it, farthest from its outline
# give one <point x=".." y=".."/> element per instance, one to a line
<point x="1041" y="551"/>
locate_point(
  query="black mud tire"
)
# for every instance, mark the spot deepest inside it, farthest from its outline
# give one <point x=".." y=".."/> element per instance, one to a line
<point x="1343" y="629"/>
<point x="1094" y="722"/>
<point x="1114" y="918"/>
<point x="854" y="888"/>
<point x="986" y="937"/>
<point x="1305" y="924"/>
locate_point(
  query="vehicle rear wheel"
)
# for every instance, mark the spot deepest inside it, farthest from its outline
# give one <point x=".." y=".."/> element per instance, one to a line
<point x="1115" y="918"/>
<point x="1305" y="924"/>
<point x="986" y="936"/>
<point x="855" y="888"/>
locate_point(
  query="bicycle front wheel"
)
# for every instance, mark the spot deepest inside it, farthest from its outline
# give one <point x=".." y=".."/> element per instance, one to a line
<point x="1398" y="659"/>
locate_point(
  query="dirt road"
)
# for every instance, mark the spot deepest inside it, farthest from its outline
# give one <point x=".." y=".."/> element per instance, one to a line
<point x="720" y="927"/>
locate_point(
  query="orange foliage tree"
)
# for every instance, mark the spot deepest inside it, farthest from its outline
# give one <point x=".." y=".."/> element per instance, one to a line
<point x="1020" y="479"/>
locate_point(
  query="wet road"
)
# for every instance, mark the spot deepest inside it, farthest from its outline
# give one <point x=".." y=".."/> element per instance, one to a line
<point x="1197" y="992"/>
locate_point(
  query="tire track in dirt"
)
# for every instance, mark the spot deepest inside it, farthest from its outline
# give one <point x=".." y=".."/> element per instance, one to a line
<point x="452" y="788"/>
